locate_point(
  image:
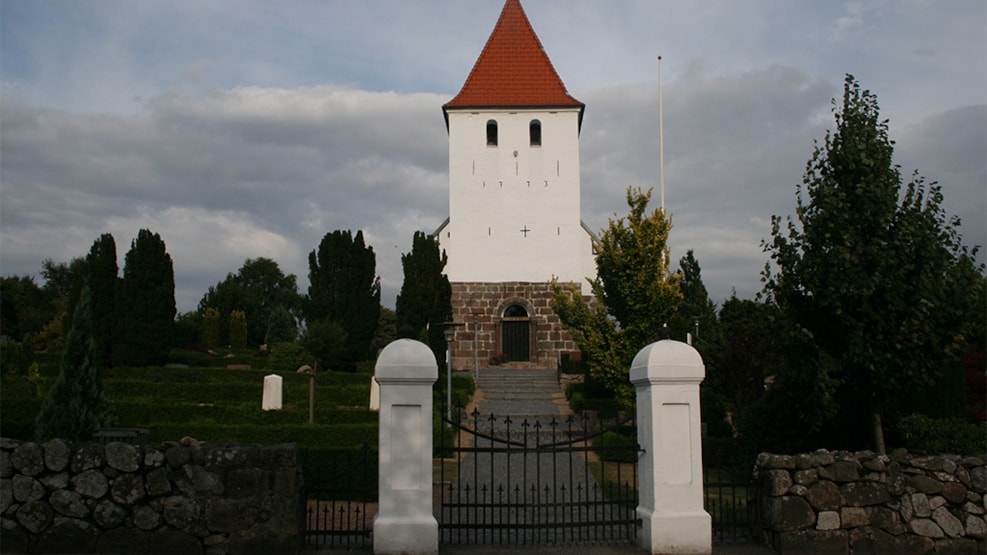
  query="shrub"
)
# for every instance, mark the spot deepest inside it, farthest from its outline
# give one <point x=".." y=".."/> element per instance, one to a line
<point x="288" y="357"/>
<point x="938" y="436"/>
<point x="624" y="437"/>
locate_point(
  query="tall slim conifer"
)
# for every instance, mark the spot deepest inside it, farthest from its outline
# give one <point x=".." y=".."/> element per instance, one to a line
<point x="75" y="405"/>
<point x="146" y="305"/>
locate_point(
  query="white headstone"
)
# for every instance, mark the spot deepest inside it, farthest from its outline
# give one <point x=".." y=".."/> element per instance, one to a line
<point x="272" y="393"/>
<point x="374" y="394"/>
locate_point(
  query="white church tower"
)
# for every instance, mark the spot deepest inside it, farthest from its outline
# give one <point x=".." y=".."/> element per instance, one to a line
<point x="514" y="212"/>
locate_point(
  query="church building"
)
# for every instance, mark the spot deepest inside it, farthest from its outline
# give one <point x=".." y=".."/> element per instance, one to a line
<point x="514" y="202"/>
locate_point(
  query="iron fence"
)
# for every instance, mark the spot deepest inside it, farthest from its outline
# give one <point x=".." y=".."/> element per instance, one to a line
<point x="341" y="497"/>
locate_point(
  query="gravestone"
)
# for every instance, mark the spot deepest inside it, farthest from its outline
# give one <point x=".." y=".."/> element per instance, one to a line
<point x="374" y="394"/>
<point x="272" y="392"/>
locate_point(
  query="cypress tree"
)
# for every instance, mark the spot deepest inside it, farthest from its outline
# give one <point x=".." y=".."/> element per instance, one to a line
<point x="146" y="311"/>
<point x="426" y="295"/>
<point x="345" y="288"/>
<point x="102" y="282"/>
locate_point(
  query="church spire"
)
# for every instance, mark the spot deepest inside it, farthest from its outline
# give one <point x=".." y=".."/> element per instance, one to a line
<point x="513" y="69"/>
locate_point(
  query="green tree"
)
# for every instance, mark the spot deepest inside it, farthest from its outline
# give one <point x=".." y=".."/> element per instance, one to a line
<point x="696" y="313"/>
<point x="65" y="281"/>
<point x="259" y="288"/>
<point x="25" y="307"/>
<point x="212" y="328"/>
<point x="637" y="294"/>
<point x="188" y="329"/>
<point x="281" y="327"/>
<point x="75" y="405"/>
<point x="426" y="295"/>
<point x="326" y="340"/>
<point x="345" y="288"/>
<point x="238" y="329"/>
<point x="747" y="355"/>
<point x="873" y="277"/>
<point x="102" y="280"/>
<point x="146" y="305"/>
<point x="387" y="329"/>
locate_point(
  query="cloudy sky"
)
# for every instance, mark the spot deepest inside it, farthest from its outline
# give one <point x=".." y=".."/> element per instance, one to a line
<point x="252" y="128"/>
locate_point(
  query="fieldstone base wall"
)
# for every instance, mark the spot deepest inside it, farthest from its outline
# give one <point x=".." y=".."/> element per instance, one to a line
<point x="852" y="503"/>
<point x="186" y="498"/>
<point x="480" y="306"/>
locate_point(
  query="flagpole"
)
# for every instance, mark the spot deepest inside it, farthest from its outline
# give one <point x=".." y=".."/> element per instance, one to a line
<point x="661" y="141"/>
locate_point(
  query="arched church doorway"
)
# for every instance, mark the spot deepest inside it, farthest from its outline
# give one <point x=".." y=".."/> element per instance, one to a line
<point x="516" y="333"/>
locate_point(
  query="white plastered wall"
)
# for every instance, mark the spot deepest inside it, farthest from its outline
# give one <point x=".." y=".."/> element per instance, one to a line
<point x="514" y="209"/>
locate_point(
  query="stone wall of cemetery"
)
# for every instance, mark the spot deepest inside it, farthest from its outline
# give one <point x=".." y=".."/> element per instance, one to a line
<point x="844" y="503"/>
<point x="178" y="497"/>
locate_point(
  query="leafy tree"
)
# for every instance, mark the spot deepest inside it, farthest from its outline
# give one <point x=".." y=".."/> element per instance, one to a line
<point x="103" y="275"/>
<point x="188" y="328"/>
<point x="76" y="405"/>
<point x="637" y="294"/>
<point x="873" y="277"/>
<point x="25" y="308"/>
<point x="238" y="329"/>
<point x="16" y="357"/>
<point x="387" y="329"/>
<point x="146" y="307"/>
<point x="64" y="281"/>
<point x="259" y="288"/>
<point x="281" y="327"/>
<point x="747" y="355"/>
<point x="345" y="288"/>
<point x="426" y="295"/>
<point x="326" y="340"/>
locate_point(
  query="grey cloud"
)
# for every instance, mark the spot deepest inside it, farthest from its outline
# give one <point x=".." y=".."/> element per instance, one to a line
<point x="252" y="171"/>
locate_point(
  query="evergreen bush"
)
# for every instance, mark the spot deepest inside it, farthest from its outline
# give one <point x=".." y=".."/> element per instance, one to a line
<point x="938" y="436"/>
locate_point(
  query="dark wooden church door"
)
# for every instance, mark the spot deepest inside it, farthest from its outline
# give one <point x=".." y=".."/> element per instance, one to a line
<point x="516" y="334"/>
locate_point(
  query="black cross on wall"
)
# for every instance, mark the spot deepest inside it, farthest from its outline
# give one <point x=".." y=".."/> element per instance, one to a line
<point x="525" y="230"/>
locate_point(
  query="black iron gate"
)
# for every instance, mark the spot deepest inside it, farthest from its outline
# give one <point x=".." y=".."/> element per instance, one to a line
<point x="341" y="497"/>
<point x="567" y="480"/>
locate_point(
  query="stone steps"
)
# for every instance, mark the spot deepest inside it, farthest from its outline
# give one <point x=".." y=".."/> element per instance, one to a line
<point x="521" y="394"/>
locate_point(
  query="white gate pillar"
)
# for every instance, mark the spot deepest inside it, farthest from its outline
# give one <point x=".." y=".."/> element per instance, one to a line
<point x="666" y="375"/>
<point x="405" y="371"/>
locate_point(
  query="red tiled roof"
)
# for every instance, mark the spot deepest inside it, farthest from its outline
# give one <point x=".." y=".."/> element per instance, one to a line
<point x="513" y="70"/>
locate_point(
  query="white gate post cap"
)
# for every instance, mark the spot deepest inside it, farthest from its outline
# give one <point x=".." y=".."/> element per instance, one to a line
<point x="667" y="360"/>
<point x="406" y="359"/>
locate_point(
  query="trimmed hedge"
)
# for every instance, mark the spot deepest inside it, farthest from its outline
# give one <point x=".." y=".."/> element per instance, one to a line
<point x="936" y="436"/>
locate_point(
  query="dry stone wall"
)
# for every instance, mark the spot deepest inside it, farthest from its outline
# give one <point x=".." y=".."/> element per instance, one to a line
<point x="836" y="502"/>
<point x="178" y="497"/>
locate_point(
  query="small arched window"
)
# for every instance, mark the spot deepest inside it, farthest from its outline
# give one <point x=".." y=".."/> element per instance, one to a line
<point x="491" y="133"/>
<point x="534" y="132"/>
<point x="515" y="311"/>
